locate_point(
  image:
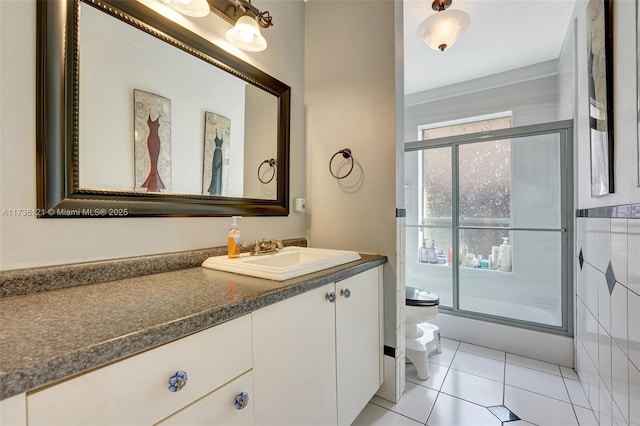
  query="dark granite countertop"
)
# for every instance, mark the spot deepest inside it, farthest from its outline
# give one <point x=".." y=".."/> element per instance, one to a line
<point x="51" y="335"/>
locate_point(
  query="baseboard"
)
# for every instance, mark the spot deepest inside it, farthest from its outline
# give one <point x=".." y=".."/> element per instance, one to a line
<point x="547" y="347"/>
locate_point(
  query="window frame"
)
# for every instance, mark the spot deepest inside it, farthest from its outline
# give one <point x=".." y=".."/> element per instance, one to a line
<point x="466" y="120"/>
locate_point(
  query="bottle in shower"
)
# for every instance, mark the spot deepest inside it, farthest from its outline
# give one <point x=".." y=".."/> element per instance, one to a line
<point x="433" y="253"/>
<point x="505" y="256"/>
<point x="423" y="253"/>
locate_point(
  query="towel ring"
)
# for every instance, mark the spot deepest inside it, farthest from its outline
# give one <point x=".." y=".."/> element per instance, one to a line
<point x="346" y="154"/>
<point x="271" y="162"/>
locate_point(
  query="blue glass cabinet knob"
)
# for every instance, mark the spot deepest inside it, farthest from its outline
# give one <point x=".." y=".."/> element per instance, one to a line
<point x="178" y="381"/>
<point x="242" y="400"/>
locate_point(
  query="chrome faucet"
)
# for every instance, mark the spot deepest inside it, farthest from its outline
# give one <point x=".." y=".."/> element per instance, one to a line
<point x="266" y="247"/>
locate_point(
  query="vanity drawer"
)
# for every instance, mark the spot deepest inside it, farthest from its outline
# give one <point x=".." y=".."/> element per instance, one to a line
<point x="136" y="390"/>
<point x="220" y="407"/>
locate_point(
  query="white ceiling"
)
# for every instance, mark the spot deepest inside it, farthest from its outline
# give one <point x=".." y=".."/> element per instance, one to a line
<point x="503" y="35"/>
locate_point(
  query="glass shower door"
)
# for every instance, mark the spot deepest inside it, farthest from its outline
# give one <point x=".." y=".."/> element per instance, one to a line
<point x="497" y="207"/>
<point x="429" y="231"/>
<point x="510" y="228"/>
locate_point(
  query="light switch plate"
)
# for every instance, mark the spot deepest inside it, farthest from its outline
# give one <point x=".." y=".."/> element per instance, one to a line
<point x="300" y="205"/>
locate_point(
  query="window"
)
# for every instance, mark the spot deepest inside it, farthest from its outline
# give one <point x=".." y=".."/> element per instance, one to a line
<point x="484" y="184"/>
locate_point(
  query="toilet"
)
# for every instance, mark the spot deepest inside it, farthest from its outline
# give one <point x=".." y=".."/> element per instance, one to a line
<point x="421" y="337"/>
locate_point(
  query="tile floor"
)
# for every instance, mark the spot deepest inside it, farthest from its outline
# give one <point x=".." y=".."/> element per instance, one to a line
<point x="466" y="379"/>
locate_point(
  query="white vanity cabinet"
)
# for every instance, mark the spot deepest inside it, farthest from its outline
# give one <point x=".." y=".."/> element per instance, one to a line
<point x="314" y="358"/>
<point x="136" y="390"/>
<point x="318" y="355"/>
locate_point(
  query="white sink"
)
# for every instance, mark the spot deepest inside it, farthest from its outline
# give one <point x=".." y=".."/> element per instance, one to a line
<point x="290" y="262"/>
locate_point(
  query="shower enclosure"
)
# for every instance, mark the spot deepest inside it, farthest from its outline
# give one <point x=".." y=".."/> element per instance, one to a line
<point x="497" y="207"/>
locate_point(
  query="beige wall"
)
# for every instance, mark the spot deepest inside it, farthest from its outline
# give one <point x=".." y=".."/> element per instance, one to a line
<point x="350" y="103"/>
<point x="261" y="129"/>
<point x="27" y="242"/>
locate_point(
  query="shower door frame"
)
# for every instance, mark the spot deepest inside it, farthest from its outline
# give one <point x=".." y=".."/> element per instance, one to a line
<point x="565" y="131"/>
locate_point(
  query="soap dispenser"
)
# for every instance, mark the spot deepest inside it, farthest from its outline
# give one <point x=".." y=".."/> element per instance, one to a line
<point x="504" y="262"/>
<point x="233" y="238"/>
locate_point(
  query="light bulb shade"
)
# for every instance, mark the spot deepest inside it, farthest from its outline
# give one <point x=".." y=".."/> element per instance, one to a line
<point x="196" y="8"/>
<point x="246" y="35"/>
<point x="441" y="30"/>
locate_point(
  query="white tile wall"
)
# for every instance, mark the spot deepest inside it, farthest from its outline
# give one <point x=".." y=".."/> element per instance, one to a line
<point x="590" y="241"/>
<point x="619" y="248"/>
<point x="390" y="389"/>
<point x="634" y="395"/>
<point x="394" y="371"/>
<point x="607" y="335"/>
<point x="580" y="320"/>
<point x="618" y="418"/>
<point x="591" y="333"/>
<point x="581" y="278"/>
<point x="604" y="303"/>
<point x="401" y="224"/>
<point x="620" y="380"/>
<point x="619" y="317"/>
<point x="603" y="227"/>
<point x="633" y="309"/>
<point x="633" y="245"/>
<point x="591" y="289"/>
<point x="604" y="358"/>
<point x="604" y="415"/>
<point x="579" y="238"/>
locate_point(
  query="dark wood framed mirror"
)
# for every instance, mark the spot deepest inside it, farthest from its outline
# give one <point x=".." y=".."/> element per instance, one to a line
<point x="87" y="129"/>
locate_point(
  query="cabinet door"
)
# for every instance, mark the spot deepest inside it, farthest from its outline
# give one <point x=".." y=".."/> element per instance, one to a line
<point x="294" y="369"/>
<point x="13" y="411"/>
<point x="219" y="407"/>
<point x="358" y="341"/>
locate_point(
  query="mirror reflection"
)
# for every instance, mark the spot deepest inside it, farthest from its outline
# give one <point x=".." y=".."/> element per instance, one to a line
<point x="137" y="113"/>
<point x="165" y="121"/>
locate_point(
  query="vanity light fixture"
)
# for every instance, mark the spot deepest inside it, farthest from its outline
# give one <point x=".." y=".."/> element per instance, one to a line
<point x="245" y="35"/>
<point x="441" y="30"/>
<point x="195" y="8"/>
<point x="245" y="18"/>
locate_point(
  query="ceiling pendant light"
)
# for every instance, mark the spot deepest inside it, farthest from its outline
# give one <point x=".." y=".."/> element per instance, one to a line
<point x="246" y="35"/>
<point x="195" y="8"/>
<point x="441" y="30"/>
